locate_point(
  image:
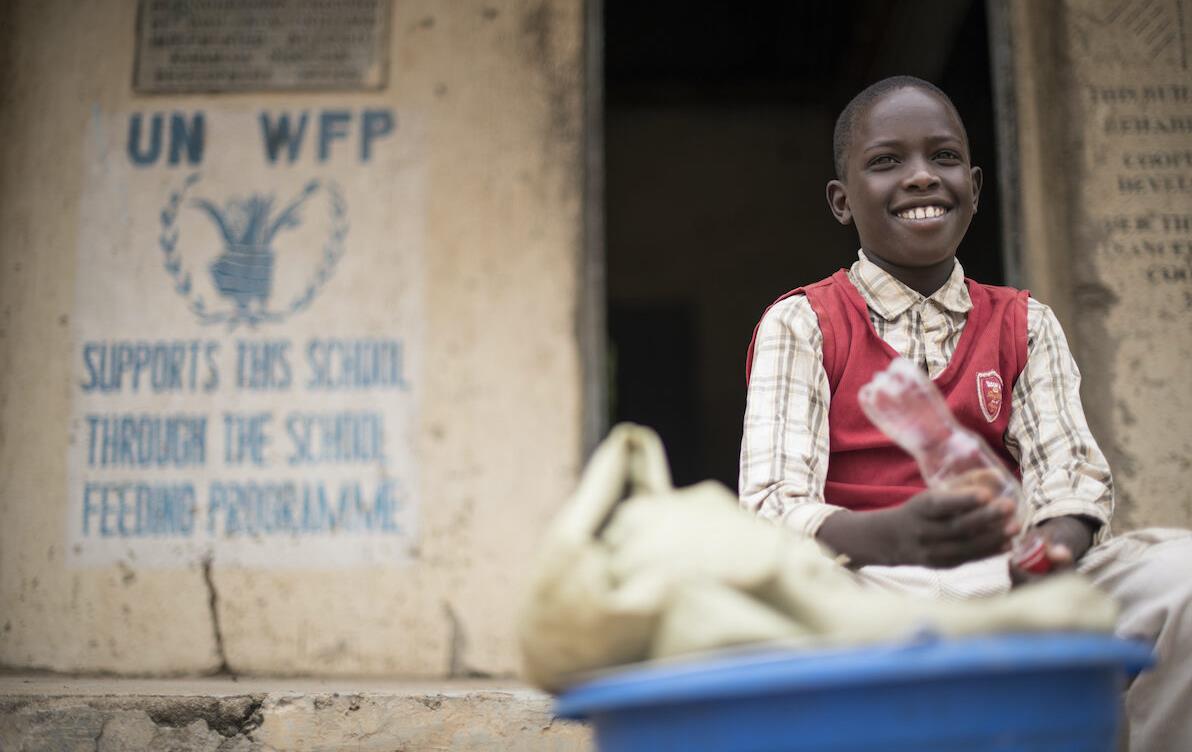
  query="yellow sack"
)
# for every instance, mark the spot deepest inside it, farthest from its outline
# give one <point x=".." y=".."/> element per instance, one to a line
<point x="633" y="569"/>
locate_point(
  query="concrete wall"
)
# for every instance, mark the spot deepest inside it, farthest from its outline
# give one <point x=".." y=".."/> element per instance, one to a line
<point x="462" y="240"/>
<point x="220" y="714"/>
<point x="1103" y="90"/>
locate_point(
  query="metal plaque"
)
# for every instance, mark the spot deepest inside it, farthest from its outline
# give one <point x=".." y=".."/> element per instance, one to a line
<point x="256" y="45"/>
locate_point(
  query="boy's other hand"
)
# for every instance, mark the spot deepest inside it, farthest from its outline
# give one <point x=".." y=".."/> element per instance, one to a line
<point x="1068" y="538"/>
<point x="935" y="528"/>
<point x="947" y="528"/>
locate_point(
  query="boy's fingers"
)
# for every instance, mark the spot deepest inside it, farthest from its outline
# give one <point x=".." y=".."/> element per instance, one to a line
<point x="1060" y="555"/>
<point x="993" y="518"/>
<point x="956" y="552"/>
<point x="944" y="505"/>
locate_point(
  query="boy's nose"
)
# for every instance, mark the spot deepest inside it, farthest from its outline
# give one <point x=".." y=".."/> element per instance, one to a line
<point x="921" y="178"/>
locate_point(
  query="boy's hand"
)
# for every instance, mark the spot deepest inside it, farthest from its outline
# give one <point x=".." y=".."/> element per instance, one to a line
<point x="1068" y="538"/>
<point x="935" y="528"/>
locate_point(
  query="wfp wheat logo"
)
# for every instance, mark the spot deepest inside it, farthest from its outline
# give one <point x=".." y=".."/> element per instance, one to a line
<point x="251" y="233"/>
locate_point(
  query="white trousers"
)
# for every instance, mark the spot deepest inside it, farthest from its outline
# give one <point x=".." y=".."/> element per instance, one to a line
<point x="1149" y="573"/>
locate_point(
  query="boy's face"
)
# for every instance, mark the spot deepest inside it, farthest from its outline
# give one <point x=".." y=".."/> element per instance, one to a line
<point x="908" y="183"/>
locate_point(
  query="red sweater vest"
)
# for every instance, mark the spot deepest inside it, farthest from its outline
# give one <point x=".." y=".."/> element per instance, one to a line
<point x="866" y="470"/>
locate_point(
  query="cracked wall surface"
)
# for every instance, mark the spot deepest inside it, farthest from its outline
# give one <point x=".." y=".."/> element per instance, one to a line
<point x="497" y="88"/>
<point x="464" y="720"/>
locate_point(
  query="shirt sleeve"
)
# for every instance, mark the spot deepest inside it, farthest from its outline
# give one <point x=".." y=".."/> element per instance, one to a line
<point x="784" y="445"/>
<point x="1063" y="469"/>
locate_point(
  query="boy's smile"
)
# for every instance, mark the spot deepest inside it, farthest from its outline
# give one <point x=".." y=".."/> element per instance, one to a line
<point x="908" y="186"/>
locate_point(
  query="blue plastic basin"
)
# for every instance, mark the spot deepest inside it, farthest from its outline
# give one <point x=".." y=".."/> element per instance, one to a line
<point x="1057" y="692"/>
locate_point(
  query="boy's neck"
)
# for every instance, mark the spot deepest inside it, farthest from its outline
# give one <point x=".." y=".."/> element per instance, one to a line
<point x="924" y="280"/>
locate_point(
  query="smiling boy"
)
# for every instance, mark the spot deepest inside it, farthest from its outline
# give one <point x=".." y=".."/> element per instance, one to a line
<point x="810" y="459"/>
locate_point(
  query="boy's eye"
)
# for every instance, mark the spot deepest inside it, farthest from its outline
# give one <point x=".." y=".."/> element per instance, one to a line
<point x="948" y="154"/>
<point x="883" y="160"/>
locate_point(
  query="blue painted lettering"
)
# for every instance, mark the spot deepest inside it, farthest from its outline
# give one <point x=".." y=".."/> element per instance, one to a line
<point x="305" y="508"/>
<point x="337" y="364"/>
<point x="93" y="363"/>
<point x="338" y="438"/>
<point x="376" y="123"/>
<point x="246" y="438"/>
<point x="283" y="133"/>
<point x="138" y="510"/>
<point x="189" y="136"/>
<point x="146" y="441"/>
<point x="209" y="352"/>
<point x="161" y="366"/>
<point x="137" y="152"/>
<point x="279" y="134"/>
<point x="333" y="124"/>
<point x="263" y="365"/>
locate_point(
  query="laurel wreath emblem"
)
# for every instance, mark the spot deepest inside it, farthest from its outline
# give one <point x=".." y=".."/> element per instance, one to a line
<point x="333" y="251"/>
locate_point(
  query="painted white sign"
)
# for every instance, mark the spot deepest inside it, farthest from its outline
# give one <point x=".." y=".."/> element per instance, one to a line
<point x="248" y="337"/>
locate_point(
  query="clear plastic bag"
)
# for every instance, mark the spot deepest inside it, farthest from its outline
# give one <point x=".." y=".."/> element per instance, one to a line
<point x="904" y="404"/>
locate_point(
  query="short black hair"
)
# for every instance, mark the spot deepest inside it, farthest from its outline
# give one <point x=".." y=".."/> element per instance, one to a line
<point x="842" y="135"/>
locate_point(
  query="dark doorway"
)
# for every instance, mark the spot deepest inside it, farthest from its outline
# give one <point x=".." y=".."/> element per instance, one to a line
<point x="718" y="131"/>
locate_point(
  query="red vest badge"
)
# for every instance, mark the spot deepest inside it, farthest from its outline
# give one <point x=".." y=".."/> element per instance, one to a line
<point x="989" y="392"/>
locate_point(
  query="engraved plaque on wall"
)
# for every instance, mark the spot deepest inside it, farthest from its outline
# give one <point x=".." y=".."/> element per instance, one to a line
<point x="254" y="45"/>
<point x="1131" y="87"/>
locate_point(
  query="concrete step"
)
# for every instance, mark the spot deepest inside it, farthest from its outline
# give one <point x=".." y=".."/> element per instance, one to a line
<point x="223" y="714"/>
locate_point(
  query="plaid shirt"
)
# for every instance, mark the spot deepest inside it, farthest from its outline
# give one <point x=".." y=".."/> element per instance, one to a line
<point x="784" y="450"/>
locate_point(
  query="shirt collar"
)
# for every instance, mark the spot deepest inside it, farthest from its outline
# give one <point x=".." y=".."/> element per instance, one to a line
<point x="889" y="298"/>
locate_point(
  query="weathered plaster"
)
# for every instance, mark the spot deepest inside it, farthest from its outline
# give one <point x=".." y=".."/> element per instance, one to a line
<point x="1116" y="272"/>
<point x="499" y="89"/>
<point x="218" y="715"/>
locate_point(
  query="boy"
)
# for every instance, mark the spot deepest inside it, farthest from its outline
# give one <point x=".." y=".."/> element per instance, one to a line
<point x="810" y="459"/>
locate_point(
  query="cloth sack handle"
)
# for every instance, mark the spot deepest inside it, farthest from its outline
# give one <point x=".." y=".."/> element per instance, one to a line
<point x="630" y="462"/>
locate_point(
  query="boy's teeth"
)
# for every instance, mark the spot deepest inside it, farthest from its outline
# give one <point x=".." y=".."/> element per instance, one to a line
<point x="922" y="212"/>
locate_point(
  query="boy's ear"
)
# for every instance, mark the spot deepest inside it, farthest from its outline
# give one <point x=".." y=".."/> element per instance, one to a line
<point x="976" y="174"/>
<point x="838" y="202"/>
